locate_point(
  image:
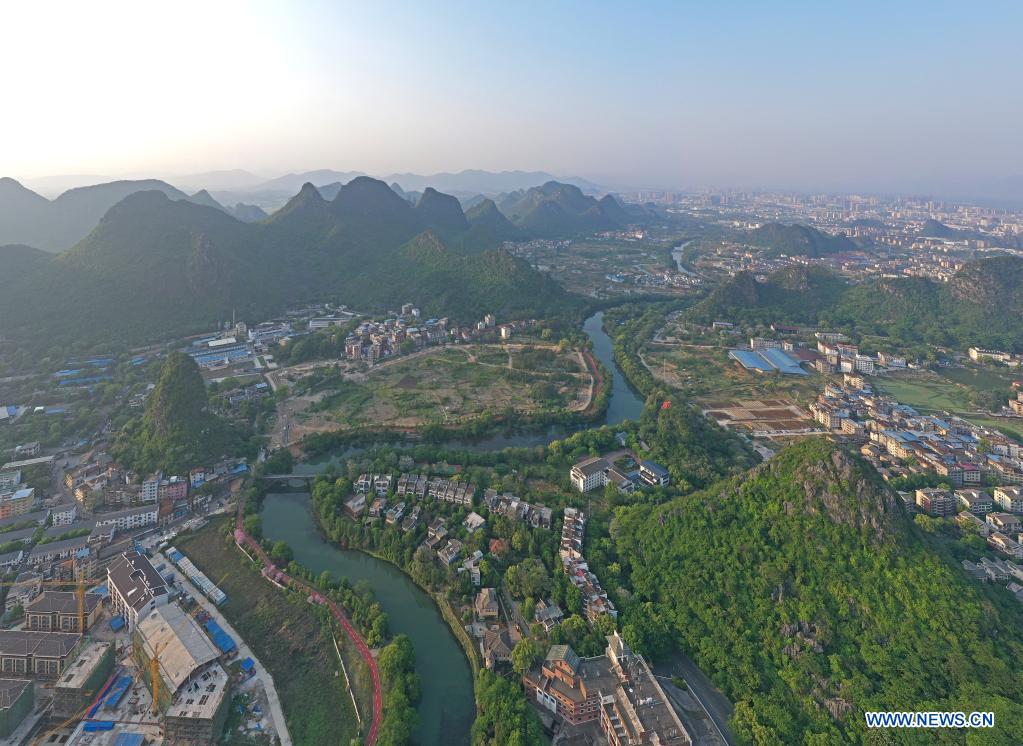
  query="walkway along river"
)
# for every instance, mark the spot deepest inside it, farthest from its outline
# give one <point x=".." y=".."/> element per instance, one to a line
<point x="448" y="707"/>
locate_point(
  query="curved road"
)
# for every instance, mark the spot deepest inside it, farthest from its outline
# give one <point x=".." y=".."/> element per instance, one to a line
<point x="281" y="577"/>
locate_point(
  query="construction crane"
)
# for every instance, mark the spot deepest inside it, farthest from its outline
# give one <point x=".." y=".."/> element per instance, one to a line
<point x="79" y="595"/>
<point x="154" y="675"/>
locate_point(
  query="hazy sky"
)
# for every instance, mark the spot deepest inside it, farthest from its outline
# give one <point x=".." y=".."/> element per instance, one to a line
<point x="828" y="94"/>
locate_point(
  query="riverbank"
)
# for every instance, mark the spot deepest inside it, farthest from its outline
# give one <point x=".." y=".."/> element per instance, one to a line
<point x="287" y="636"/>
<point x="445" y="656"/>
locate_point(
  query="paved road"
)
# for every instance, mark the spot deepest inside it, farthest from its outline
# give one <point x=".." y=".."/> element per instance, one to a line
<point x="714" y="702"/>
<point x="276" y="711"/>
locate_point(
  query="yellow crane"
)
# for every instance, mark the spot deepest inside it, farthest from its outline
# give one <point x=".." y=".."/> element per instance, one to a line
<point x="154" y="675"/>
<point x="79" y="596"/>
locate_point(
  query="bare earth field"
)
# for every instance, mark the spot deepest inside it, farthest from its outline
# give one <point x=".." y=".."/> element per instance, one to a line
<point x="444" y="385"/>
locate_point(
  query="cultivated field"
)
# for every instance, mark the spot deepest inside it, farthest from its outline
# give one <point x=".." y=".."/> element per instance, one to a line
<point x="759" y="416"/>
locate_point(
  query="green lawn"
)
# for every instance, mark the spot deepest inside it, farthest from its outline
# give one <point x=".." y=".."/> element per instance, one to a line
<point x="926" y="392"/>
<point x="286" y="635"/>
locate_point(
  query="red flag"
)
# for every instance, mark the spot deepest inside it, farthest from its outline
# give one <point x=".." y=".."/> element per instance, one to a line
<point x="666" y="405"/>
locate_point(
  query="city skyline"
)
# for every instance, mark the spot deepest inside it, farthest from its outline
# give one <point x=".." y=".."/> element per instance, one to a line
<point x="658" y="97"/>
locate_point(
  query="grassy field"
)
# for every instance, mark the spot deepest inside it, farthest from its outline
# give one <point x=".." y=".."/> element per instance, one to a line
<point x="286" y="635"/>
<point x="925" y="391"/>
<point x="451" y="385"/>
<point x="703" y="372"/>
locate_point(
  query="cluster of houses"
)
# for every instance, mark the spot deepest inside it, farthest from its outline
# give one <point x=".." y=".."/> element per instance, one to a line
<point x="598" y="471"/>
<point x="836" y="355"/>
<point x="595" y="601"/>
<point x="514" y="507"/>
<point x="997" y="571"/>
<point x="997" y="515"/>
<point x="902" y="442"/>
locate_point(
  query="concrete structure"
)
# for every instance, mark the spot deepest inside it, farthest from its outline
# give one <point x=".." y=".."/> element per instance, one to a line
<point x="82" y="681"/>
<point x="193" y="686"/>
<point x="17" y="698"/>
<point x="1009" y="499"/>
<point x="43" y="655"/>
<point x="136" y="588"/>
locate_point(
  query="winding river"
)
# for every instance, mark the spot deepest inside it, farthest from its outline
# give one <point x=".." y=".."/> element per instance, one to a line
<point x="447" y="708"/>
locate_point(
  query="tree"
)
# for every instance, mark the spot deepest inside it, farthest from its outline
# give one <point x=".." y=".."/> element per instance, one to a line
<point x="524" y="655"/>
<point x="281" y="553"/>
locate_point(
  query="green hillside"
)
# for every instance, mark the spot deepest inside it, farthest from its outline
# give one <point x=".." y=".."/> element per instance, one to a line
<point x="559" y="210"/>
<point x="809" y="596"/>
<point x="155" y="267"/>
<point x="798" y="240"/>
<point x="176" y="432"/>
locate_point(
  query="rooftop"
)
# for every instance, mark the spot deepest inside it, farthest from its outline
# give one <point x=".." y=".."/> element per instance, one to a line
<point x="184" y="647"/>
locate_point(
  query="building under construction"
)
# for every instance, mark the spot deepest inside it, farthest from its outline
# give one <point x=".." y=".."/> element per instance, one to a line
<point x="82" y="681"/>
<point x="191" y="687"/>
<point x="17" y="697"/>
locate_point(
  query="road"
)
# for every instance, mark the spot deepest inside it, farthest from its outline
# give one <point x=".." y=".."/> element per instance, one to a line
<point x="715" y="704"/>
<point x="276" y="711"/>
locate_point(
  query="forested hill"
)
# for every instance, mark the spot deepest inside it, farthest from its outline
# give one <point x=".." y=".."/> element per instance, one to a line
<point x="798" y="240"/>
<point x="155" y="267"/>
<point x="981" y="305"/>
<point x="806" y="592"/>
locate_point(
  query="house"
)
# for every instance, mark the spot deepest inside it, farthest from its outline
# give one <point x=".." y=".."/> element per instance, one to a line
<point x="977" y="502"/>
<point x="435" y="532"/>
<point x="654" y="474"/>
<point x="395" y="514"/>
<point x="549" y="614"/>
<point x="1002" y="543"/>
<point x="355" y="506"/>
<point x="37" y="655"/>
<point x="486" y="604"/>
<point x="968" y="520"/>
<point x="474" y="522"/>
<point x="620" y="480"/>
<point x="450" y="552"/>
<point x="588" y="474"/>
<point x="377" y="507"/>
<point x="496" y="647"/>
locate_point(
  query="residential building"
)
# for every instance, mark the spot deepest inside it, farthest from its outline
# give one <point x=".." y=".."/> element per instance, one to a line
<point x="1007" y="523"/>
<point x="135" y="587"/>
<point x="10" y="479"/>
<point x="496" y="647"/>
<point x="654" y="474"/>
<point x="1009" y="499"/>
<point x="936" y="502"/>
<point x="486" y="604"/>
<point x="589" y="474"/>
<point x="18" y="502"/>
<point x="474" y="522"/>
<point x="130" y="519"/>
<point x="64" y="514"/>
<point x="1006" y="545"/>
<point x="977" y="502"/>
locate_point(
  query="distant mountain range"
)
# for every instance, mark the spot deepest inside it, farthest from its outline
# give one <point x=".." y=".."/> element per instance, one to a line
<point x="561" y="210"/>
<point x="159" y="264"/>
<point x="55" y="225"/>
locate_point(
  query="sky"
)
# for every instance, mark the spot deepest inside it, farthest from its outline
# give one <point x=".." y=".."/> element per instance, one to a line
<point x="815" y="95"/>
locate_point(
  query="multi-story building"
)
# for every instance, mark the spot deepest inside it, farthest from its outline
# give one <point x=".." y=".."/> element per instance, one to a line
<point x="653" y="474"/>
<point x="18" y="502"/>
<point x="1007" y="523"/>
<point x="936" y="502"/>
<point x="977" y="502"/>
<point x="616" y="689"/>
<point x="37" y="655"/>
<point x="151" y="488"/>
<point x="589" y="474"/>
<point x="135" y="587"/>
<point x="1009" y="499"/>
<point x="129" y="519"/>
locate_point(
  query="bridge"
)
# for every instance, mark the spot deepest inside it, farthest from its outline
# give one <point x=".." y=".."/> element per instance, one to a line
<point x="285" y="477"/>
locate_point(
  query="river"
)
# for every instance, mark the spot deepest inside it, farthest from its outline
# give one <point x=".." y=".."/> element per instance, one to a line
<point x="625" y="403"/>
<point x="447" y="708"/>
